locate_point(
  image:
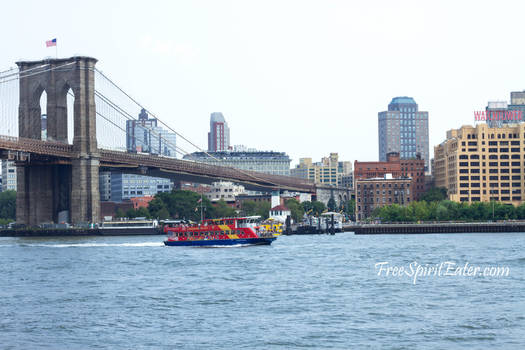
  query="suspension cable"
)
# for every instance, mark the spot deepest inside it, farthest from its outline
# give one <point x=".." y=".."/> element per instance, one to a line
<point x="20" y="75"/>
<point x="167" y="126"/>
<point x="149" y="112"/>
<point x="128" y="116"/>
<point x="119" y="127"/>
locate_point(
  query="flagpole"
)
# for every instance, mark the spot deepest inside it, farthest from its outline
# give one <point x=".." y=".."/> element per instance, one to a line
<point x="201" y="207"/>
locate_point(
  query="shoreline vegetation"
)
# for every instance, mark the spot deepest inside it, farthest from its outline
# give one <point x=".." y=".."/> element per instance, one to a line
<point x="446" y="210"/>
<point x="434" y="206"/>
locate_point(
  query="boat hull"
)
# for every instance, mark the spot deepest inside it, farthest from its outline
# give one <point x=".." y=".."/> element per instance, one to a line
<point x="221" y="242"/>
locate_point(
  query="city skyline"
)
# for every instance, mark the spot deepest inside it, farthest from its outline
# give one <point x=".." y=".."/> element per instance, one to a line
<point x="324" y="67"/>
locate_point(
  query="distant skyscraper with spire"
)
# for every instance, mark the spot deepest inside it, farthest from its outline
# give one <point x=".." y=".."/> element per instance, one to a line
<point x="219" y="135"/>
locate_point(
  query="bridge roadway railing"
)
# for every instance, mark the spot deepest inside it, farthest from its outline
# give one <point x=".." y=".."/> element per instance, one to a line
<point x="49" y="148"/>
<point x="63" y="150"/>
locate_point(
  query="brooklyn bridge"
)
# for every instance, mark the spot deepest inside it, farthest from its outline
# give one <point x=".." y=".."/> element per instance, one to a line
<point x="61" y="172"/>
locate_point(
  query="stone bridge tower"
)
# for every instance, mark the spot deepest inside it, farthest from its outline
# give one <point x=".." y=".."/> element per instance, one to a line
<point x="46" y="189"/>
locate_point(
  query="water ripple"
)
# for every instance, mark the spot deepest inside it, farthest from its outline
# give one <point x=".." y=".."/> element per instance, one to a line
<point x="304" y="292"/>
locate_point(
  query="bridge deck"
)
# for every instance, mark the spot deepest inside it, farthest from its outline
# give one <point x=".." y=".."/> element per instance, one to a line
<point x="118" y="159"/>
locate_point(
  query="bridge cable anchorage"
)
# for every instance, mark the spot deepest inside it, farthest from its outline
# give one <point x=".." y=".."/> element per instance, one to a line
<point x="174" y="131"/>
<point x="122" y="112"/>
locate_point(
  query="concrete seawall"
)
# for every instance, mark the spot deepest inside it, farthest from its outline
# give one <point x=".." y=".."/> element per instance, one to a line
<point x="437" y="228"/>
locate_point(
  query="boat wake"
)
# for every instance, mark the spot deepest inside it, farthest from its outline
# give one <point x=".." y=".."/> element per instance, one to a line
<point x="88" y="245"/>
<point x="225" y="246"/>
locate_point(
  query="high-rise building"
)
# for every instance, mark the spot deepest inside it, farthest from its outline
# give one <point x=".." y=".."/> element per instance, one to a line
<point x="404" y="129"/>
<point x="144" y="135"/>
<point x="482" y="164"/>
<point x="219" y="135"/>
<point x="330" y="171"/>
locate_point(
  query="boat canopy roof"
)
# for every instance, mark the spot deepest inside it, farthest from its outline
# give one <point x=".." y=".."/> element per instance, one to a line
<point x="328" y="213"/>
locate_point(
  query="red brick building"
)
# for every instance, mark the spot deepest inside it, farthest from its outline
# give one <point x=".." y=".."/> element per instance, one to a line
<point x="141" y="202"/>
<point x="378" y="192"/>
<point x="399" y="168"/>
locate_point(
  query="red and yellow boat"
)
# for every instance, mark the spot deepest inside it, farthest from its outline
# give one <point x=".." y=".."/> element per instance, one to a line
<point x="218" y="232"/>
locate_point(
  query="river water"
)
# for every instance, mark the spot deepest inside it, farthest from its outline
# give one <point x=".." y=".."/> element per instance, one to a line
<point x="316" y="292"/>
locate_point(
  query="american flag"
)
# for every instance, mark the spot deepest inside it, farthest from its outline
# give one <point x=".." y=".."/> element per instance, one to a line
<point x="52" y="42"/>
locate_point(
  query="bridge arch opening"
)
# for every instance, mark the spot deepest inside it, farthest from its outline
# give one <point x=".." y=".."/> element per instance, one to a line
<point x="70" y="107"/>
<point x="43" y="112"/>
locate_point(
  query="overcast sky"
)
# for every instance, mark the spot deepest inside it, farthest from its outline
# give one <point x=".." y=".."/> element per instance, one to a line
<point x="304" y="77"/>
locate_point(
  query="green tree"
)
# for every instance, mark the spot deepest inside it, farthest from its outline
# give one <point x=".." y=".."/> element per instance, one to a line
<point x="163" y="214"/>
<point x="249" y="208"/>
<point x="520" y="211"/>
<point x="181" y="205"/>
<point x="222" y="210"/>
<point x="434" y="194"/>
<point x="130" y="213"/>
<point x="119" y="213"/>
<point x="8" y="205"/>
<point x="504" y="211"/>
<point x="313" y="208"/>
<point x="142" y="212"/>
<point x="348" y="208"/>
<point x="331" y="205"/>
<point x="296" y="209"/>
<point x="157" y="205"/>
<point x="263" y="209"/>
